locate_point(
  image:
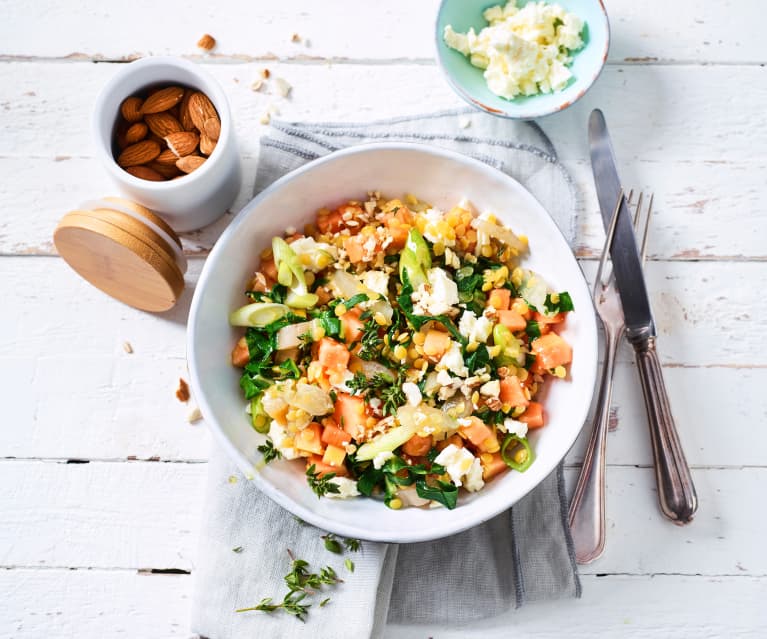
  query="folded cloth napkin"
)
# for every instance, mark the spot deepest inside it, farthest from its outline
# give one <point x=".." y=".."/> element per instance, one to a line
<point x="522" y="555"/>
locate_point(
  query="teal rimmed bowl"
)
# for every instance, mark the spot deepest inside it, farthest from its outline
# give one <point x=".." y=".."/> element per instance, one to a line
<point x="469" y="82"/>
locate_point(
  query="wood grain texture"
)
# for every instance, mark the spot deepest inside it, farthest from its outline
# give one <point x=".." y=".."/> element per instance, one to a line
<point x="688" y="31"/>
<point x="146" y="515"/>
<point x="708" y="203"/>
<point x="683" y="92"/>
<point x="98" y="603"/>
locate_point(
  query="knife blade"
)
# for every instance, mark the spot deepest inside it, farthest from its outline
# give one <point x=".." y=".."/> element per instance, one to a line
<point x="627" y="265"/>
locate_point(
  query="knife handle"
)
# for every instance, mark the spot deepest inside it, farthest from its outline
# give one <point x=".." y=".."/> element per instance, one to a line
<point x="676" y="491"/>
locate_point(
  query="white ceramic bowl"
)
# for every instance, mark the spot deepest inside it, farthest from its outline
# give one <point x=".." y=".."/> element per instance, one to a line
<point x="197" y="199"/>
<point x="442" y="178"/>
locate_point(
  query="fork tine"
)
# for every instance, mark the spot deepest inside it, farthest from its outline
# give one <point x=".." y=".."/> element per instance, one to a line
<point x="608" y="242"/>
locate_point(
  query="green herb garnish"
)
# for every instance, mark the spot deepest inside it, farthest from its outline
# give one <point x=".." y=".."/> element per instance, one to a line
<point x="269" y="452"/>
<point x="332" y="544"/>
<point x="351" y="544"/>
<point x="321" y="484"/>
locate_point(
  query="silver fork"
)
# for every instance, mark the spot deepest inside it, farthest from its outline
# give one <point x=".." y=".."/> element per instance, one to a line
<point x="587" y="508"/>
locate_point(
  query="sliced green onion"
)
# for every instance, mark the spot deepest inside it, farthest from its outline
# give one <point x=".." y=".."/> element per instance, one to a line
<point x="520" y="455"/>
<point x="301" y="300"/>
<point x="257" y="314"/>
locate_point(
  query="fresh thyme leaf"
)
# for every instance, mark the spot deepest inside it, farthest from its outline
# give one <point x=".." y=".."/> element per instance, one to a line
<point x="371" y="342"/>
<point x="269" y="452"/>
<point x="321" y="484"/>
<point x="352" y="544"/>
<point x="349" y="565"/>
<point x="332" y="544"/>
<point x="238" y="550"/>
<point x="324" y="602"/>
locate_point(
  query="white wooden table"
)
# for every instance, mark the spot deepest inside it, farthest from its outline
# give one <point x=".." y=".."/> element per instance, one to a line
<point x="101" y="475"/>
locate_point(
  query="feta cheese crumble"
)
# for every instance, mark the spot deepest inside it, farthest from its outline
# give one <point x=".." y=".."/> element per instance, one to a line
<point x="523" y="51"/>
<point x="347" y="488"/>
<point x="459" y="463"/>
<point x="436" y="297"/>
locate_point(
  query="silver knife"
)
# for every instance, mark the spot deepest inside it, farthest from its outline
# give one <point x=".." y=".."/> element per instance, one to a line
<point x="676" y="491"/>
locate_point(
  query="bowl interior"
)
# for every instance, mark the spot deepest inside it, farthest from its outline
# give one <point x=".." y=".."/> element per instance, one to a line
<point x="442" y="178"/>
<point x="470" y="84"/>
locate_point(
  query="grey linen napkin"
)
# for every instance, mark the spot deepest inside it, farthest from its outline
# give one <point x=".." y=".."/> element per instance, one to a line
<point x="522" y="555"/>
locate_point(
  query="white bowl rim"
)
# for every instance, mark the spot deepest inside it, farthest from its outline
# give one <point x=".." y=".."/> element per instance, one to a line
<point x="307" y="515"/>
<point x="529" y="114"/>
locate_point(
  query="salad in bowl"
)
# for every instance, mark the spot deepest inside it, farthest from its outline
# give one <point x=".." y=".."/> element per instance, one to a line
<point x="399" y="351"/>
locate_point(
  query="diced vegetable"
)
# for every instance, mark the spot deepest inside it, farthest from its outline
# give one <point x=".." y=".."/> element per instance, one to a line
<point x="291" y="336"/>
<point x="352" y="327"/>
<point x="345" y="285"/>
<point x="258" y="314"/>
<point x="499" y="299"/>
<point x="335" y="436"/>
<point x="512" y="320"/>
<point x="387" y="442"/>
<point x="301" y="300"/>
<point x="520" y="306"/>
<point x="241" y="353"/>
<point x="480" y="435"/>
<point x="492" y="465"/>
<point x="436" y="343"/>
<point x="551" y="351"/>
<point x="332" y="354"/>
<point x="334" y="456"/>
<point x="512" y="392"/>
<point x="350" y="414"/>
<point x="322" y="469"/>
<point x="309" y="439"/>
<point x="417" y="446"/>
<point x="533" y="415"/>
<point x="312" y="399"/>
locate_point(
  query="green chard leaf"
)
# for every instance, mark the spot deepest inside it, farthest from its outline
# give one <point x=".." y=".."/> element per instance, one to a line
<point x="564" y="304"/>
<point x="445" y="493"/>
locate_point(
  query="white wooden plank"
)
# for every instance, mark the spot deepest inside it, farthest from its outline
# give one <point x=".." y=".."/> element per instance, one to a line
<point x="82" y="603"/>
<point x="659" y="113"/>
<point x="708" y="203"/>
<point x="93" y="603"/>
<point x="688" y="31"/>
<point x="106" y="515"/>
<point x="146" y="514"/>
<point x="629" y="608"/>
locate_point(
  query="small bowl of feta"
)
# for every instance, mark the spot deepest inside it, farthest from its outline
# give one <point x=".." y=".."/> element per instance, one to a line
<point x="522" y="59"/>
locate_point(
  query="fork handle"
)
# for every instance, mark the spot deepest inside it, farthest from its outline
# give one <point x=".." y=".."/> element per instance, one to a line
<point x="676" y="491"/>
<point x="587" y="508"/>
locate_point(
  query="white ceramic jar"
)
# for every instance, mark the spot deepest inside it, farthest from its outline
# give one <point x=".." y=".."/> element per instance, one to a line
<point x="197" y="199"/>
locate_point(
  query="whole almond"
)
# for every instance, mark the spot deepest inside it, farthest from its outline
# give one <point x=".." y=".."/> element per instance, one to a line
<point x="182" y="143"/>
<point x="131" y="109"/>
<point x="162" y="100"/>
<point x="207" y="42"/>
<point x="135" y="133"/>
<point x="145" y="173"/>
<point x="206" y="144"/>
<point x="184" y="116"/>
<point x="212" y="128"/>
<point x="200" y="109"/>
<point x="167" y="157"/>
<point x="139" y="153"/>
<point x="190" y="163"/>
<point x="162" y="124"/>
<point x="166" y="170"/>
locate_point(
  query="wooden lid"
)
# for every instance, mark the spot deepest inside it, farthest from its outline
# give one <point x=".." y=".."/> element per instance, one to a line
<point x="125" y="259"/>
